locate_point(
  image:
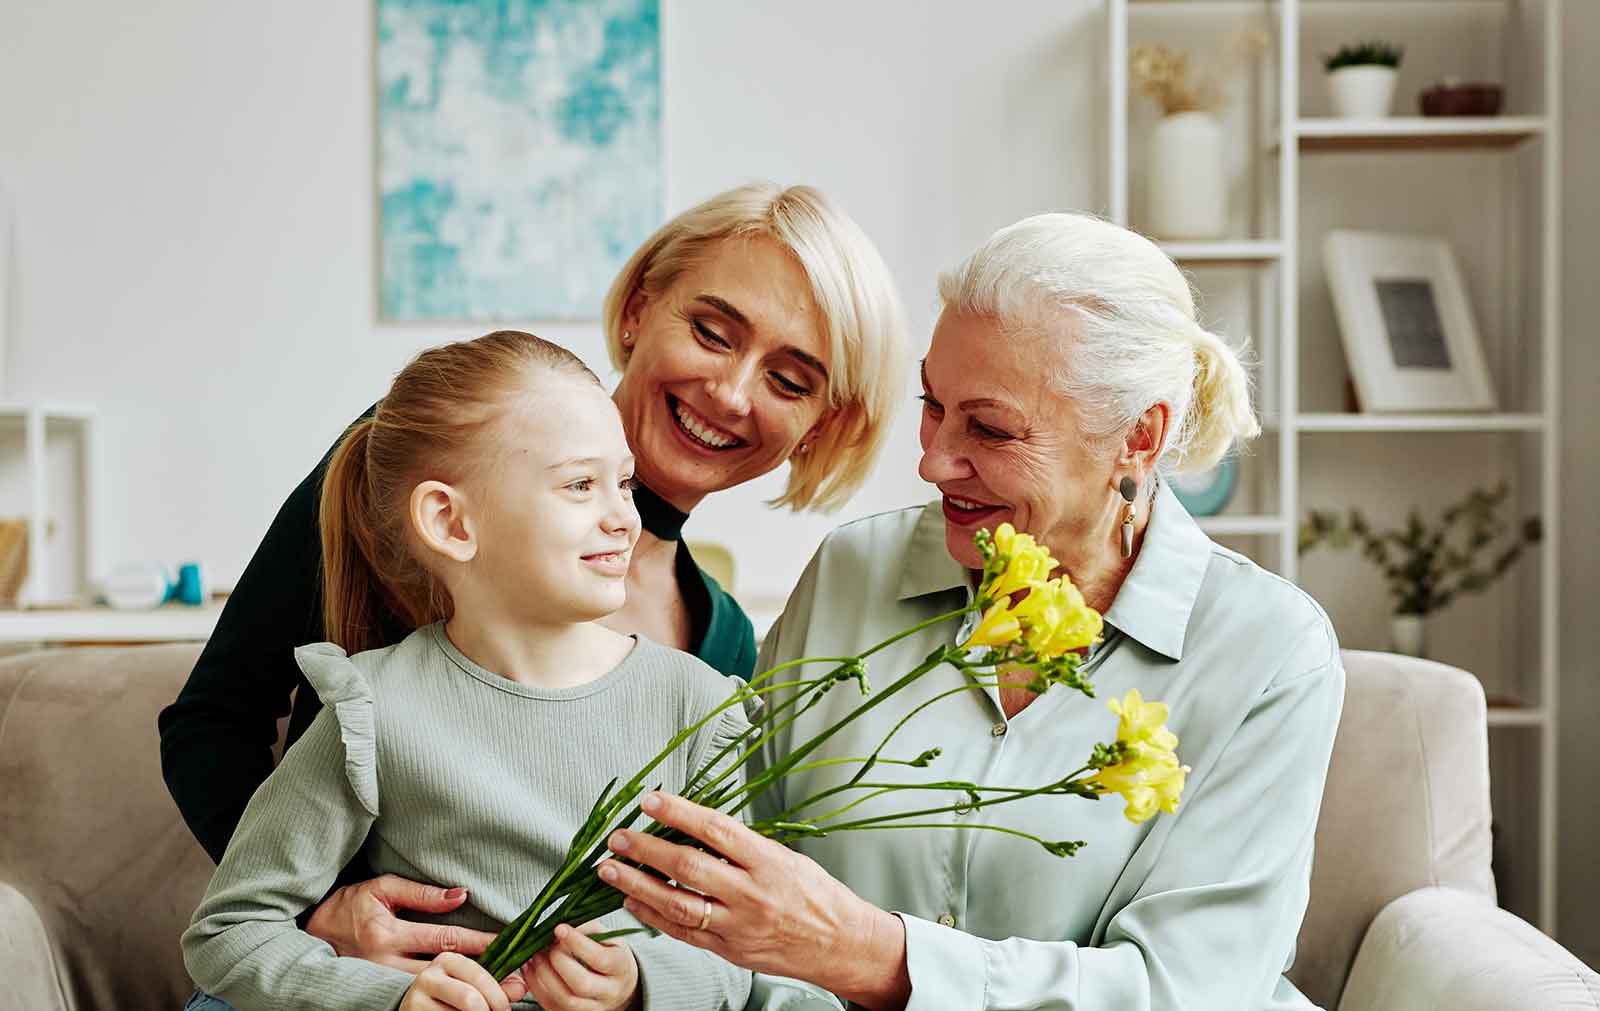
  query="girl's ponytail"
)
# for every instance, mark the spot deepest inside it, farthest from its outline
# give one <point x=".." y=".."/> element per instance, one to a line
<point x="352" y="594"/>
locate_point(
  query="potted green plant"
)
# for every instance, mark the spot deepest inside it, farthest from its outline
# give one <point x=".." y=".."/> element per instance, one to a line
<point x="1361" y="78"/>
<point x="1426" y="566"/>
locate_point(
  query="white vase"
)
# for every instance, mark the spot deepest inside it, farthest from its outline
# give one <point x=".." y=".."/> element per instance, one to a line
<point x="1362" y="92"/>
<point x="1409" y="633"/>
<point x="1188" y="197"/>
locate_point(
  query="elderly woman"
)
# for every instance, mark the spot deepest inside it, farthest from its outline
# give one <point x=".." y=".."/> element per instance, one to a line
<point x="756" y="329"/>
<point x="1066" y="373"/>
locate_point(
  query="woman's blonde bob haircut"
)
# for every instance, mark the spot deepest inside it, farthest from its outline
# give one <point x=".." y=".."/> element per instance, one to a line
<point x="1125" y="317"/>
<point x="866" y="327"/>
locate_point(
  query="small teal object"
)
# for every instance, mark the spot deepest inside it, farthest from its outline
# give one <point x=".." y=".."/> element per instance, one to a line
<point x="1207" y="492"/>
<point x="191" y="588"/>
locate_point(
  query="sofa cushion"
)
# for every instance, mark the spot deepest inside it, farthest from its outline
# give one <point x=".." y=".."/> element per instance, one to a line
<point x="92" y="839"/>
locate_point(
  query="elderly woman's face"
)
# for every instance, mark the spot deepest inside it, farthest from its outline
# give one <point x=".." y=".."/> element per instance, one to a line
<point x="1002" y="445"/>
<point x="729" y="371"/>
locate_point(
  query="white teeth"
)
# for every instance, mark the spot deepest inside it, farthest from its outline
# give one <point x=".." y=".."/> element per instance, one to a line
<point x="701" y="432"/>
<point x="964" y="503"/>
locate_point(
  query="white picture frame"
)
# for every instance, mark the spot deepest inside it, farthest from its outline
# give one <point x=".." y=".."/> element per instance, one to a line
<point x="1406" y="324"/>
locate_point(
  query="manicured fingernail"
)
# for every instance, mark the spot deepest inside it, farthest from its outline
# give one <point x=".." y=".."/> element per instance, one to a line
<point x="608" y="873"/>
<point x="651" y="803"/>
<point x="619" y="842"/>
<point x="455" y="893"/>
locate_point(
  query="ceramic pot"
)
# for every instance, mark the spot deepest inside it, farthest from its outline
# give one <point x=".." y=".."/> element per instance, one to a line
<point x="1409" y="634"/>
<point x="1188" y="194"/>
<point x="1362" y="92"/>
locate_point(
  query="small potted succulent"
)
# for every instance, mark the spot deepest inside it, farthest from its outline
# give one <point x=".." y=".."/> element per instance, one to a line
<point x="1427" y="565"/>
<point x="1361" y="78"/>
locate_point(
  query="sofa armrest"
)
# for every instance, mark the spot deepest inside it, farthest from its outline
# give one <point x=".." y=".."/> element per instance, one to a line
<point x="1445" y="948"/>
<point x="27" y="962"/>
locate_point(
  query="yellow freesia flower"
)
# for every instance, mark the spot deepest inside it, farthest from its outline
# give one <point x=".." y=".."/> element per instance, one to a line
<point x="1056" y="619"/>
<point x="999" y="626"/>
<point x="1027" y="562"/>
<point x="1149" y="776"/>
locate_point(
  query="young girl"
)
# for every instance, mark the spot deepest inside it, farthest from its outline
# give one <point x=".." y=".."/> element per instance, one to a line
<point x="487" y="503"/>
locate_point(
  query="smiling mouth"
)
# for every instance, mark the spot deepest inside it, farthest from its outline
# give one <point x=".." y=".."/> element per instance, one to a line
<point x="698" y="429"/>
<point x="963" y="511"/>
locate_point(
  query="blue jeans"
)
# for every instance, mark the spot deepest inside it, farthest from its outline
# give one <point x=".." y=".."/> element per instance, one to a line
<point x="202" y="1001"/>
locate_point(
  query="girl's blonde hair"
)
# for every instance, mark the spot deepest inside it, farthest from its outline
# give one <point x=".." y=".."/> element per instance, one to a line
<point x="866" y="326"/>
<point x="1126" y="320"/>
<point x="425" y="428"/>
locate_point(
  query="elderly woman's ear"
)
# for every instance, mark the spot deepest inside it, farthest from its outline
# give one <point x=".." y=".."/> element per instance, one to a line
<point x="1144" y="442"/>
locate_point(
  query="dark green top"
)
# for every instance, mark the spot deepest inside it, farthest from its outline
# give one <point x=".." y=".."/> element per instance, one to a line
<point x="216" y="739"/>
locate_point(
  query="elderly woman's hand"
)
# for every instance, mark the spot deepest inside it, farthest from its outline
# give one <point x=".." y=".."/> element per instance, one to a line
<point x="762" y="906"/>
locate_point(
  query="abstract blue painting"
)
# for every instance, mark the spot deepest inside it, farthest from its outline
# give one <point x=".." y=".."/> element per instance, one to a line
<point x="519" y="146"/>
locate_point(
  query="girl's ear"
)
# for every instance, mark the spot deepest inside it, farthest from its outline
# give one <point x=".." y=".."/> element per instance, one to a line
<point x="440" y="521"/>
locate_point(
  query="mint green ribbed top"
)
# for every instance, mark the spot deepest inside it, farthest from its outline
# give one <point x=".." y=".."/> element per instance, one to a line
<point x="447" y="773"/>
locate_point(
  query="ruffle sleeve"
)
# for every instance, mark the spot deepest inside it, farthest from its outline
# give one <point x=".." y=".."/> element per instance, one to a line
<point x="345" y="690"/>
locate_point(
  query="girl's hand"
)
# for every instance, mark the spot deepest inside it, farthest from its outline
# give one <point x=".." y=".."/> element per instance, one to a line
<point x="458" y="983"/>
<point x="359" y="921"/>
<point x="578" y="973"/>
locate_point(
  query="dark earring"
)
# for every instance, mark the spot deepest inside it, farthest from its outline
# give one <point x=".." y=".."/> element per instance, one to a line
<point x="1130" y="490"/>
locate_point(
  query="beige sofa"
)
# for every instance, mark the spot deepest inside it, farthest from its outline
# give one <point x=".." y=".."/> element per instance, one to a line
<point x="98" y="874"/>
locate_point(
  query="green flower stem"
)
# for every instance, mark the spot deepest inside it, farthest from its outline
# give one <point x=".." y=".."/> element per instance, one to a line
<point x="1068" y="786"/>
<point x="755" y="788"/>
<point x="941" y="824"/>
<point x="879" y="789"/>
<point x="512" y="939"/>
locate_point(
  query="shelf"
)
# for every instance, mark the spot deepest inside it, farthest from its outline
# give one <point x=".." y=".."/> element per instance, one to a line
<point x="1511" y="716"/>
<point x="1420" y="422"/>
<point x="168" y="623"/>
<point x="1248" y="252"/>
<point x="1402" y="133"/>
<point x="1224" y="525"/>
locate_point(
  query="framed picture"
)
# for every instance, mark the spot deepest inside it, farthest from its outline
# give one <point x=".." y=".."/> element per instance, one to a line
<point x="519" y="154"/>
<point x="1406" y="324"/>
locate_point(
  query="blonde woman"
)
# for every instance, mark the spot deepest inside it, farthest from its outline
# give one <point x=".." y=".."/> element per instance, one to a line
<point x="1065" y="373"/>
<point x="756" y="329"/>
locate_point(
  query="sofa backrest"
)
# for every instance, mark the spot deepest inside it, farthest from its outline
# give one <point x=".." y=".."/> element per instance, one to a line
<point x="92" y="839"/>
<point x="1406" y="806"/>
<point x="88" y="833"/>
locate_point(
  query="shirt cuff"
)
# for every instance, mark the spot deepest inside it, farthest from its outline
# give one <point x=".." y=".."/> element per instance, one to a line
<point x="948" y="968"/>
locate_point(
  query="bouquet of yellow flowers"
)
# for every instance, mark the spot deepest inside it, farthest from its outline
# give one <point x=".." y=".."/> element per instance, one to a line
<point x="1029" y="621"/>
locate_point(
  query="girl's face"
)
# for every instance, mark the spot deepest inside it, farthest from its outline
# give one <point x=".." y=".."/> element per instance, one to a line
<point x="728" y="372"/>
<point x="555" y="522"/>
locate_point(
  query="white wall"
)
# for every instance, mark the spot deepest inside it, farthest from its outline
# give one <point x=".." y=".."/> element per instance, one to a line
<point x="195" y="236"/>
<point x="196" y="220"/>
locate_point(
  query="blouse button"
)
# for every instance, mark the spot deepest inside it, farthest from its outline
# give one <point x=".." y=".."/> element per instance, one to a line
<point x="998" y="730"/>
<point x="946" y="920"/>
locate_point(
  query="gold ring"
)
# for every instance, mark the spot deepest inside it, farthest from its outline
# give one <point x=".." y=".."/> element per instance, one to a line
<point x="705" y="915"/>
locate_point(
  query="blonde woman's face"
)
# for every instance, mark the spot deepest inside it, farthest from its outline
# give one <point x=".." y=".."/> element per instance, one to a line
<point x="728" y="371"/>
<point x="1002" y="444"/>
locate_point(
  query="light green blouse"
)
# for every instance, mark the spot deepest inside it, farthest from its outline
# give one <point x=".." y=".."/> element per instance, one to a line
<point x="1194" y="910"/>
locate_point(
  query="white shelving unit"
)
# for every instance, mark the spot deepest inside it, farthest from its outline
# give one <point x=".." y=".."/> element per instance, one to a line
<point x="1528" y="437"/>
<point x="39" y="423"/>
